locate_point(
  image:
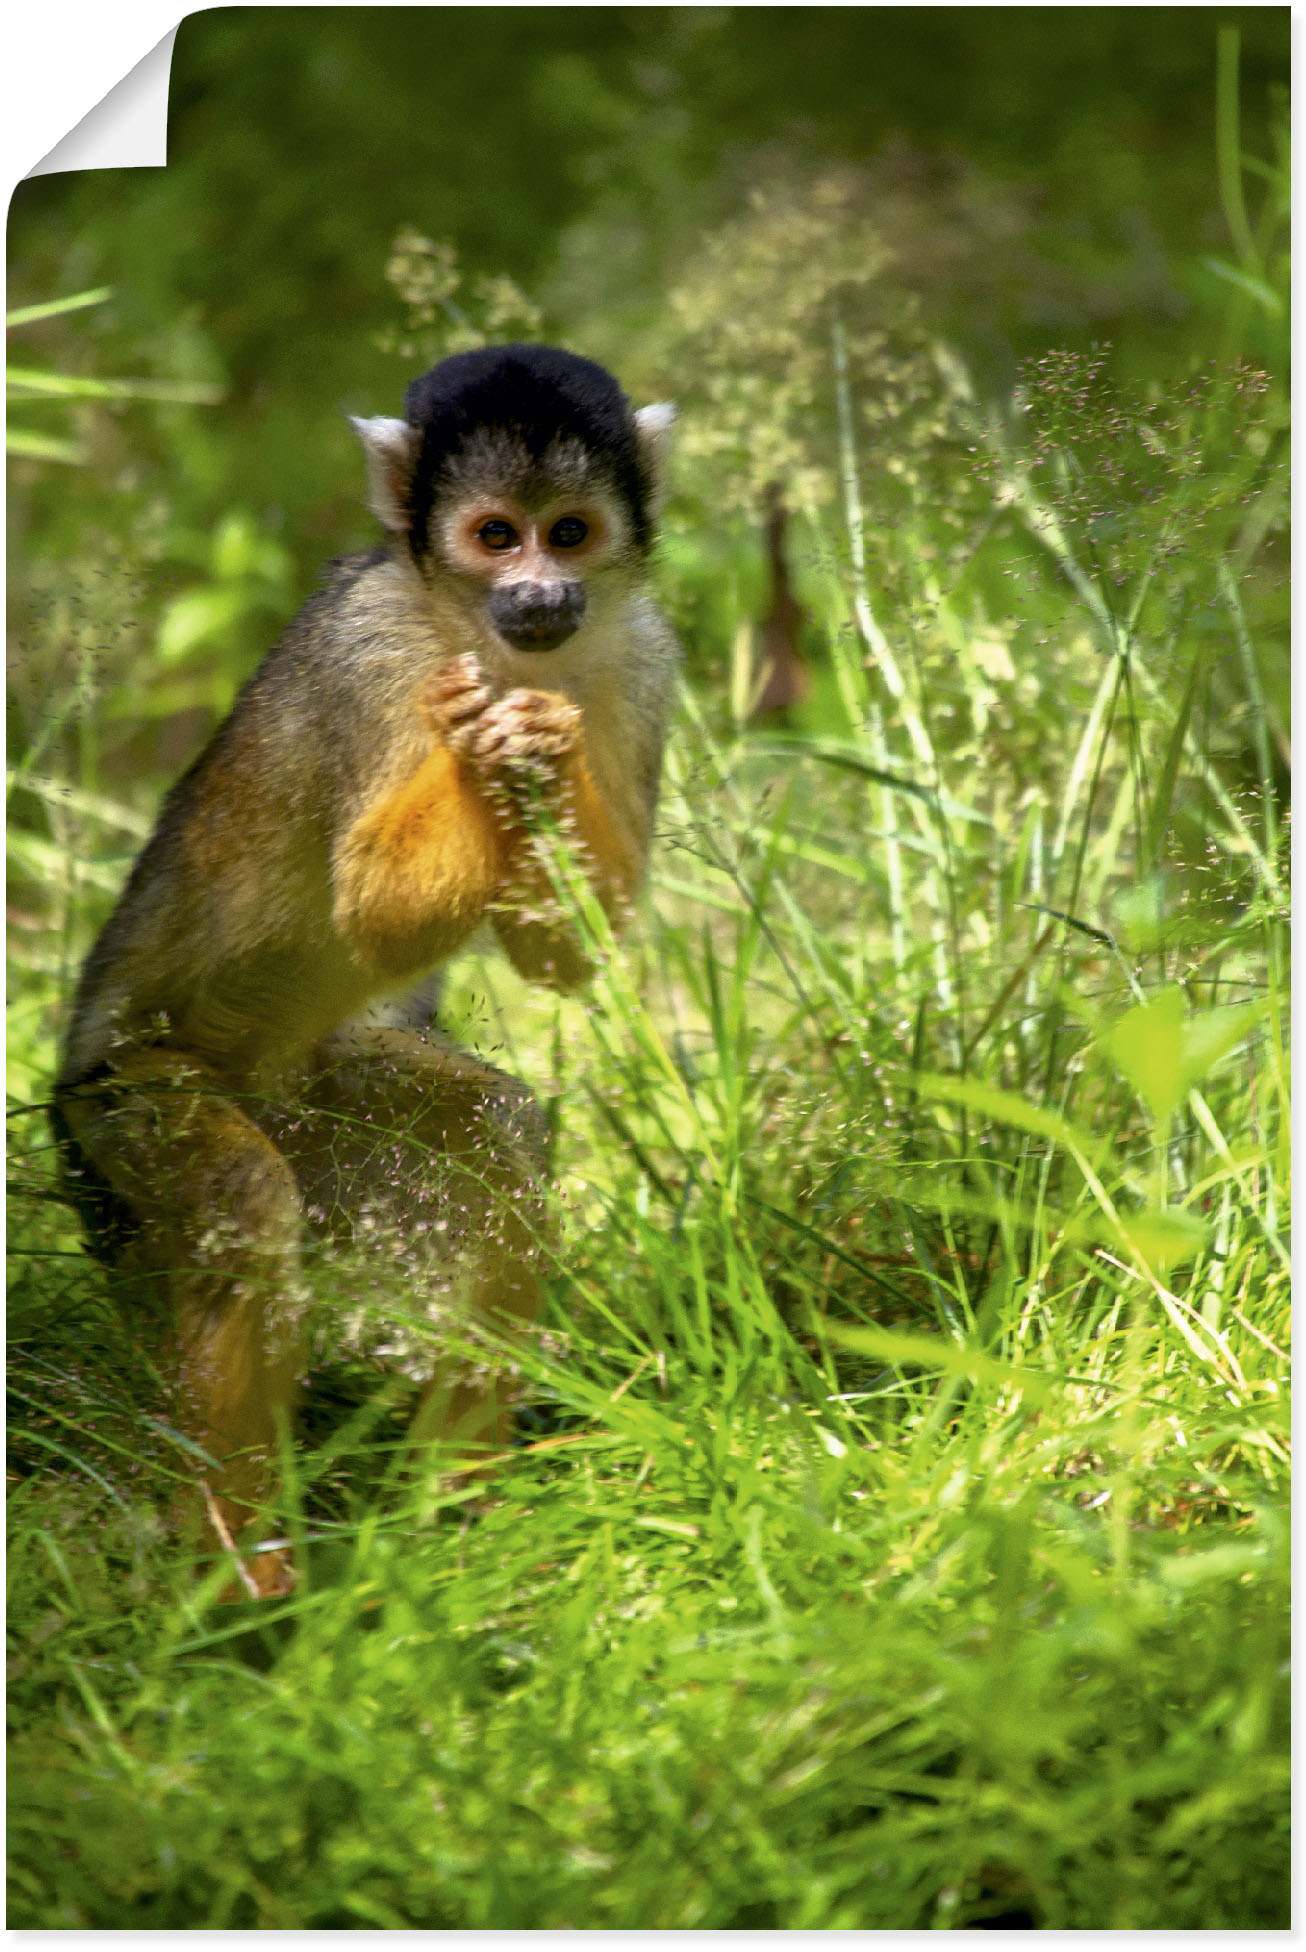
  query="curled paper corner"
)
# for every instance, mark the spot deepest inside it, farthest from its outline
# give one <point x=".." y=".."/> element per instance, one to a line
<point x="128" y="129"/>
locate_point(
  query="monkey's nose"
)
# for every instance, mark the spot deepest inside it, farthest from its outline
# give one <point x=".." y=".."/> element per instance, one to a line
<point x="537" y="616"/>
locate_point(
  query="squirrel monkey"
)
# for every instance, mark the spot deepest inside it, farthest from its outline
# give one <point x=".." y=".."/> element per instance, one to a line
<point x="365" y="806"/>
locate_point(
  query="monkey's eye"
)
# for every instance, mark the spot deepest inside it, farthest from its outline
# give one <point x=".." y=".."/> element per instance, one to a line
<point x="568" y="533"/>
<point x="497" y="535"/>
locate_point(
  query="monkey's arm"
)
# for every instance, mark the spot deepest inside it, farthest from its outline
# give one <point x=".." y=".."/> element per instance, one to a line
<point x="414" y="871"/>
<point x="607" y="822"/>
<point x="422" y="863"/>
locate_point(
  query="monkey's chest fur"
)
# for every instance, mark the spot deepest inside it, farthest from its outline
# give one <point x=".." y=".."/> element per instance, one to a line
<point x="323" y="850"/>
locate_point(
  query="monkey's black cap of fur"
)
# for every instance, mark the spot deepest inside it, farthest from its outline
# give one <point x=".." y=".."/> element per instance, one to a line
<point x="535" y="395"/>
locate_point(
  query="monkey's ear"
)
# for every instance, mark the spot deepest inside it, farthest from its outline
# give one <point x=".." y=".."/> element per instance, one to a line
<point x="653" y="439"/>
<point x="391" y="448"/>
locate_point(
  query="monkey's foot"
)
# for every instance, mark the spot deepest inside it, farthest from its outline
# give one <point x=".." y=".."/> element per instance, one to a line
<point x="265" y="1575"/>
<point x="262" y="1572"/>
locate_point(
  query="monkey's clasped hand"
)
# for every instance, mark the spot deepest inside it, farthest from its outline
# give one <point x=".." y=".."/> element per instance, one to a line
<point x="365" y="806"/>
<point x="523" y="735"/>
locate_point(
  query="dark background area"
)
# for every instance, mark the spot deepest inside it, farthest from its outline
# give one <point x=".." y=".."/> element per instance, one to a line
<point x="583" y="151"/>
<point x="1041" y="177"/>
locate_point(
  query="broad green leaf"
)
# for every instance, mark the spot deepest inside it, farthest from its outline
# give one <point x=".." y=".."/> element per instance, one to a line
<point x="1147" y="1047"/>
<point x="1164" y="1235"/>
<point x="1161" y="1236"/>
<point x="1163" y="1051"/>
<point x="240" y="550"/>
<point x="194" y="618"/>
<point x="234" y="544"/>
<point x="1214" y="1033"/>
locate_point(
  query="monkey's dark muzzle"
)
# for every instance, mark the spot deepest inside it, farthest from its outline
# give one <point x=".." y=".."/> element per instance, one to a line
<point x="537" y="616"/>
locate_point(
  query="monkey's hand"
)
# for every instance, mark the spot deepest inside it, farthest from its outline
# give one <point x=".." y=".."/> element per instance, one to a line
<point x="520" y="740"/>
<point x="453" y="699"/>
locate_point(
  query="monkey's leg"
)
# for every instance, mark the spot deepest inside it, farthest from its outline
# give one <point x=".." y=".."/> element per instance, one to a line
<point x="408" y="1143"/>
<point x="213" y="1222"/>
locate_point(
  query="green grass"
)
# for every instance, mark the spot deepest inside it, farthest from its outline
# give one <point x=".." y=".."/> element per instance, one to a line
<point x="898" y="1539"/>
<point x="703" y="1673"/>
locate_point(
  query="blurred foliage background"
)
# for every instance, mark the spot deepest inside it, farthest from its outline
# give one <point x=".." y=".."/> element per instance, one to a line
<point x="684" y="193"/>
<point x="1038" y="173"/>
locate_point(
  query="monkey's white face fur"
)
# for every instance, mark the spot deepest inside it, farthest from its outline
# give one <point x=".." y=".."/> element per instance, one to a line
<point x="533" y="552"/>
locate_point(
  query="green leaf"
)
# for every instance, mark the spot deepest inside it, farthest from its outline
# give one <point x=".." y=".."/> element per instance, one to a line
<point x="1255" y="288"/>
<point x="52" y="307"/>
<point x="1146" y="1046"/>
<point x="1213" y="1034"/>
<point x="1008" y="1108"/>
<point x="932" y="1352"/>
<point x="1160" y="1235"/>
<point x="74" y="386"/>
<point x="194" y="618"/>
<point x="43" y="447"/>
<point x="1162" y="1051"/>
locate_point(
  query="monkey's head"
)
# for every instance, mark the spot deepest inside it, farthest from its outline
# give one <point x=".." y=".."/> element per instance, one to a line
<point x="520" y="483"/>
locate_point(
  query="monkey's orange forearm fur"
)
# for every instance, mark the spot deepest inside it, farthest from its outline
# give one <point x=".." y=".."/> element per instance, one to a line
<point x="419" y="869"/>
<point x="414" y="875"/>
